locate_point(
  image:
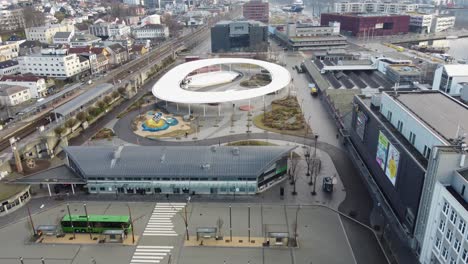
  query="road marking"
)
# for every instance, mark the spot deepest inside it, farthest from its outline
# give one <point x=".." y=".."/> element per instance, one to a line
<point x="347" y="240"/>
<point x="151" y="234"/>
<point x="152" y="250"/>
<point x="170" y="247"/>
<point x="144" y="261"/>
<point x="150" y="254"/>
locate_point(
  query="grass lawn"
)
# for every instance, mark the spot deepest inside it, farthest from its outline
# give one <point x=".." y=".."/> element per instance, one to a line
<point x="251" y="143"/>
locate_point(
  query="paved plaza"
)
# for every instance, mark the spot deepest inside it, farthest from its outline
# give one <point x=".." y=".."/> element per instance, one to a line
<point x="321" y="233"/>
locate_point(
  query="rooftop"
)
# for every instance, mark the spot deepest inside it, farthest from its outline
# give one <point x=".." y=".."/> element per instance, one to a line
<point x="456" y="69"/>
<point x="368" y="15"/>
<point x="19" y="78"/>
<point x="7" y="64"/>
<point x="405" y="69"/>
<point x="62" y="34"/>
<point x="83" y="99"/>
<point x="199" y="161"/>
<point x="451" y="118"/>
<point x="7" y="90"/>
<point x="59" y="174"/>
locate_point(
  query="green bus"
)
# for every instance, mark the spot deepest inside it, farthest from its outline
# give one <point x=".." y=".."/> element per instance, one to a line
<point x="97" y="223"/>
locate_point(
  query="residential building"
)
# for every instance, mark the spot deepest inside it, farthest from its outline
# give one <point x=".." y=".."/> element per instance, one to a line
<point x="106" y="30"/>
<point x="448" y="78"/>
<point x="239" y="35"/>
<point x="45" y="34"/>
<point x="139" y="49"/>
<point x="375" y="7"/>
<point x="56" y="63"/>
<point x="256" y="10"/>
<point x="446" y="231"/>
<point x="9" y="67"/>
<point x="397" y="137"/>
<point x="151" y="31"/>
<point x="9" y="50"/>
<point x="13" y="94"/>
<point x="369" y="24"/>
<point x="420" y="22"/>
<point x="83" y="40"/>
<point x="37" y="86"/>
<point x="63" y="37"/>
<point x="11" y="20"/>
<point x="118" y="55"/>
<point x="403" y="74"/>
<point x="201" y="170"/>
<point x="300" y="36"/>
<point x="442" y="23"/>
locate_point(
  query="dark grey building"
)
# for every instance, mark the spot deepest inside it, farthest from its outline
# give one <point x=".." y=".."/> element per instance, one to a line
<point x="242" y="35"/>
<point x="208" y="170"/>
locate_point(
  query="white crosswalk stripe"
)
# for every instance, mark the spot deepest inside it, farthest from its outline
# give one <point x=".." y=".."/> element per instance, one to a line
<point x="159" y="224"/>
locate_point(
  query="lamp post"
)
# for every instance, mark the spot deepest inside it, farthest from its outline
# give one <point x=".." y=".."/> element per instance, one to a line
<point x="71" y="222"/>
<point x="87" y="221"/>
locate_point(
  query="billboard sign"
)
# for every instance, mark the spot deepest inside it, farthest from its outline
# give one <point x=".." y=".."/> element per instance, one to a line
<point x="361" y="121"/>
<point x="393" y="159"/>
<point x="379" y="25"/>
<point x="382" y="149"/>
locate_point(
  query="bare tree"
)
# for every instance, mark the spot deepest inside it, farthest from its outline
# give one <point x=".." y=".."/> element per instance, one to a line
<point x="219" y="225"/>
<point x="32" y="17"/>
<point x="172" y="24"/>
<point x="293" y="163"/>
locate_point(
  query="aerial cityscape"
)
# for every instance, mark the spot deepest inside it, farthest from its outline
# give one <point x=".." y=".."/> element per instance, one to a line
<point x="233" y="132"/>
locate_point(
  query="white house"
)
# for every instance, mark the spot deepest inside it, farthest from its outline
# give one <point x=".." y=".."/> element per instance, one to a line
<point x="13" y="94"/>
<point x="151" y="31"/>
<point x="46" y="33"/>
<point x="36" y="85"/>
<point x="447" y="78"/>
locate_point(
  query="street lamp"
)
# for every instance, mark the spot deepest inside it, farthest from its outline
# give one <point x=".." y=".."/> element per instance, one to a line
<point x="315" y="145"/>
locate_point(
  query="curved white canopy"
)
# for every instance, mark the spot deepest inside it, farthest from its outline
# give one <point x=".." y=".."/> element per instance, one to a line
<point x="168" y="86"/>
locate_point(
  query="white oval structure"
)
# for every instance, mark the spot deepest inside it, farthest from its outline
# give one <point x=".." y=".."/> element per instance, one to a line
<point x="168" y="87"/>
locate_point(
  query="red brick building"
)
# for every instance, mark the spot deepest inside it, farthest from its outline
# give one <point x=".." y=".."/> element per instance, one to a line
<point x="257" y="10"/>
<point x="362" y="25"/>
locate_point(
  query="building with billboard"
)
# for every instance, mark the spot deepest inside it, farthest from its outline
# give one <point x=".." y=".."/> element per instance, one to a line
<point x="397" y="137"/>
<point x="257" y="10"/>
<point x="368" y="24"/>
<point x="239" y="35"/>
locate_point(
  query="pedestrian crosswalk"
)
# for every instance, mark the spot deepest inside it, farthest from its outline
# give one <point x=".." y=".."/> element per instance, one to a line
<point x="160" y="223"/>
<point x="150" y="254"/>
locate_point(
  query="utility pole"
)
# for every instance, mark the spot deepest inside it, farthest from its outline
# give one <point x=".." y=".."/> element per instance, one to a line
<point x="71" y="222"/>
<point x="315" y="146"/>
<point x="31" y="220"/>
<point x="248" y="216"/>
<point x="87" y="221"/>
<point x="230" y="223"/>
<point x="131" y="223"/>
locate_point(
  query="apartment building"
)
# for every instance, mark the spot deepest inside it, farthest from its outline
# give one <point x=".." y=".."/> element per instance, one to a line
<point x="257" y="10"/>
<point x="56" y="63"/>
<point x="106" y="30"/>
<point x="151" y="31"/>
<point x="9" y="67"/>
<point x="9" y="50"/>
<point x="375" y="7"/>
<point x="11" y="20"/>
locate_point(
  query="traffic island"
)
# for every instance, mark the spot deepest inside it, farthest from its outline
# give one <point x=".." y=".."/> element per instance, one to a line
<point x="85" y="239"/>
<point x="237" y="242"/>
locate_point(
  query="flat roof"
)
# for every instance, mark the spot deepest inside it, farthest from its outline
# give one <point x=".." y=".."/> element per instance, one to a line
<point x="174" y="161"/>
<point x="456" y="69"/>
<point x="442" y="113"/>
<point x="51" y="98"/>
<point x="59" y="174"/>
<point x="168" y="87"/>
<point x="83" y="99"/>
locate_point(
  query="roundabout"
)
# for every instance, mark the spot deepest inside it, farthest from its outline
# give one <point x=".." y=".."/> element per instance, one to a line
<point x="170" y="86"/>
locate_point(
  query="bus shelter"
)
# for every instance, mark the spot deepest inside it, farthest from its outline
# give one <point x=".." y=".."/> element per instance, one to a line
<point x="278" y="239"/>
<point x="113" y="236"/>
<point x="47" y="230"/>
<point x="206" y="232"/>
